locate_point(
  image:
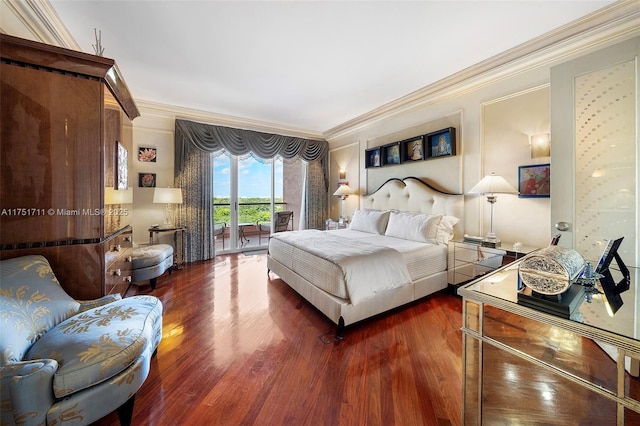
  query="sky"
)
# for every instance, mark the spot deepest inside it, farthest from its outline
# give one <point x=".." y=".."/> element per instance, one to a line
<point x="254" y="178"/>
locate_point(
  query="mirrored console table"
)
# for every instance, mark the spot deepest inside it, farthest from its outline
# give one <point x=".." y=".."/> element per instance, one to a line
<point x="524" y="366"/>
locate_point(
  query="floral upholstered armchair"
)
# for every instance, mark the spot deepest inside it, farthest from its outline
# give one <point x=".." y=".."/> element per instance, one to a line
<point x="68" y="362"/>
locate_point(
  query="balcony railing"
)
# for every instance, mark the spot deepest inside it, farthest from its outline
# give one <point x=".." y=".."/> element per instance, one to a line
<point x="249" y="213"/>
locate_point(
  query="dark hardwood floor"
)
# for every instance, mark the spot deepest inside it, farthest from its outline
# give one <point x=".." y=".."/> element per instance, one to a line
<point x="240" y="348"/>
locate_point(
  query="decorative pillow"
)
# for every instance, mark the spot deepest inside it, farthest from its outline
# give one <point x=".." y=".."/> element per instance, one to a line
<point x="422" y="228"/>
<point x="445" y="229"/>
<point x="31" y="303"/>
<point x="372" y="221"/>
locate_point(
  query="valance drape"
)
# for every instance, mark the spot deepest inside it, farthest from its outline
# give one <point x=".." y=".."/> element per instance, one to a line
<point x="211" y="138"/>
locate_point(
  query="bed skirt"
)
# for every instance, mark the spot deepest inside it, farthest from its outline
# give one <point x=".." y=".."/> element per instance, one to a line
<point x="335" y="308"/>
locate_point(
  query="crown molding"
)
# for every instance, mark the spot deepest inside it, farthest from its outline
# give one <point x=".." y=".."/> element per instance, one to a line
<point x="42" y="22"/>
<point x="614" y="21"/>
<point x="200" y="116"/>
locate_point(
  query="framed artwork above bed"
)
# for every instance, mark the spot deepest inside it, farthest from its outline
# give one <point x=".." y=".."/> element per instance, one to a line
<point x="441" y="143"/>
<point x="391" y="154"/>
<point x="372" y="157"/>
<point x="413" y="149"/>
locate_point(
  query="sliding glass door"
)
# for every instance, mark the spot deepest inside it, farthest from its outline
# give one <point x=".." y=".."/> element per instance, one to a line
<point x="246" y="193"/>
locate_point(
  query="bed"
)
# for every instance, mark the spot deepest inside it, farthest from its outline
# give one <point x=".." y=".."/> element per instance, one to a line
<point x="394" y="252"/>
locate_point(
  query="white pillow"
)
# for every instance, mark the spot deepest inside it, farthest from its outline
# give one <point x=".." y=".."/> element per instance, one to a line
<point x="445" y="229"/>
<point x="422" y="228"/>
<point x="372" y="221"/>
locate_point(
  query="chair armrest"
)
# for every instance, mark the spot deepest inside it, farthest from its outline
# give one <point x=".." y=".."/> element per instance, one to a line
<point x="27" y="390"/>
<point x="85" y="305"/>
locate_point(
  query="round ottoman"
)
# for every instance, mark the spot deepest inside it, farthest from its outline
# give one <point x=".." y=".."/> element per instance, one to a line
<point x="150" y="261"/>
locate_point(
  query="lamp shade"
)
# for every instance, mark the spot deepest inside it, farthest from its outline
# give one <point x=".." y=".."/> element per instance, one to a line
<point x="343" y="190"/>
<point x="167" y="195"/>
<point x="118" y="196"/>
<point x="493" y="184"/>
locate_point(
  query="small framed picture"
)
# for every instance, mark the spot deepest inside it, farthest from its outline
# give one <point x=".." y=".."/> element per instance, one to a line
<point x="534" y="181"/>
<point x="147" y="180"/>
<point x="147" y="155"/>
<point x="391" y="154"/>
<point x="372" y="157"/>
<point x="441" y="143"/>
<point x="413" y="149"/>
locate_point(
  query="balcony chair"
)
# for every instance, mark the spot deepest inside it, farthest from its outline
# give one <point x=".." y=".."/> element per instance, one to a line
<point x="220" y="229"/>
<point x="69" y="362"/>
<point x="280" y="223"/>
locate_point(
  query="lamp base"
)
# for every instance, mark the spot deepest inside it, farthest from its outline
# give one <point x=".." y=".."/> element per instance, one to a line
<point x="492" y="244"/>
<point x="490" y="240"/>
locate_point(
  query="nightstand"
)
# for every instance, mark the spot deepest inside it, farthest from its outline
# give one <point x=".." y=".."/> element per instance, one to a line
<point x="336" y="224"/>
<point x="468" y="260"/>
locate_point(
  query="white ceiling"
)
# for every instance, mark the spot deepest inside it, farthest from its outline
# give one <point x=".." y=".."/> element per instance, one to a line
<point x="308" y="65"/>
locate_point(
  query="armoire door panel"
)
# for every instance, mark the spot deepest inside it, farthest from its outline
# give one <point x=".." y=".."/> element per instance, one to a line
<point x="50" y="168"/>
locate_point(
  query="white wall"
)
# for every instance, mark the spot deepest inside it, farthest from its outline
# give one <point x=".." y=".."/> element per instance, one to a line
<point x="508" y="124"/>
<point x="344" y="158"/>
<point x="154" y="128"/>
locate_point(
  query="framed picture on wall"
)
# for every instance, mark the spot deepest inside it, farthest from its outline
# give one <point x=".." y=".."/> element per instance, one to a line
<point x="147" y="180"/>
<point x="372" y="157"/>
<point x="391" y="154"/>
<point x="413" y="149"/>
<point x="441" y="143"/>
<point x="534" y="181"/>
<point x="147" y="155"/>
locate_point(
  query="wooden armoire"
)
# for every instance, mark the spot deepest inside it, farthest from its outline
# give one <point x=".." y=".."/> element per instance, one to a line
<point x="65" y="147"/>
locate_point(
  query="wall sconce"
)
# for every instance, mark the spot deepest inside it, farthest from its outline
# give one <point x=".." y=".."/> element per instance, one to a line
<point x="540" y="145"/>
<point x="343" y="175"/>
<point x="168" y="196"/>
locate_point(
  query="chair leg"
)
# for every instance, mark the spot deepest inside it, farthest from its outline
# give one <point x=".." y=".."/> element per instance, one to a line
<point x="125" y="412"/>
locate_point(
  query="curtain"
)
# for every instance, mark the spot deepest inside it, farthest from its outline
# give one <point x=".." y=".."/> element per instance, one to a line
<point x="210" y="138"/>
<point x="315" y="202"/>
<point x="196" y="210"/>
<point x="194" y="144"/>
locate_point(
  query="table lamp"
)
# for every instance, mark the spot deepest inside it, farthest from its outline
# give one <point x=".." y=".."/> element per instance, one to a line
<point x="118" y="196"/>
<point x="343" y="192"/>
<point x="490" y="185"/>
<point x="169" y="196"/>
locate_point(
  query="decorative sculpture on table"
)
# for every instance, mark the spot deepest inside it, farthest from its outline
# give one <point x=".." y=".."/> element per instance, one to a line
<point x="551" y="270"/>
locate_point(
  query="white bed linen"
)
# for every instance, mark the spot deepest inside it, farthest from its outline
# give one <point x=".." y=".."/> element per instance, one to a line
<point x="422" y="259"/>
<point x="419" y="259"/>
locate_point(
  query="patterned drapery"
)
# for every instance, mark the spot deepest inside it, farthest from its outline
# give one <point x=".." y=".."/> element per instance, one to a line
<point x="315" y="202"/>
<point x="196" y="211"/>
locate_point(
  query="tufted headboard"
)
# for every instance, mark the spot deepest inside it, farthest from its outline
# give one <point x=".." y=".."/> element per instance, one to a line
<point x="415" y="195"/>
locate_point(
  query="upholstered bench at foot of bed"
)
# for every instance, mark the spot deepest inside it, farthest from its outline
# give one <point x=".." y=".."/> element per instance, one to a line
<point x="150" y="261"/>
